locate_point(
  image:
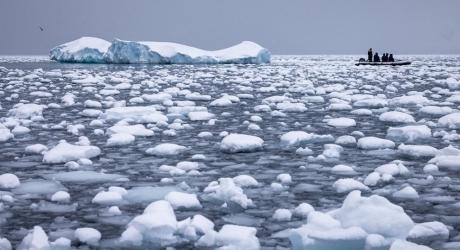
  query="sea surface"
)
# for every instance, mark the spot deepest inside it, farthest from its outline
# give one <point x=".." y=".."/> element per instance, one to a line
<point x="295" y="78"/>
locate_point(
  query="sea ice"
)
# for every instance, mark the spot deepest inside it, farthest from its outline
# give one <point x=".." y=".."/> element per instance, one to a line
<point x="9" y="181"/>
<point x="371" y="143"/>
<point x="182" y="200"/>
<point x="166" y="149"/>
<point x="65" y="152"/>
<point x="88" y="235"/>
<point x="235" y="143"/>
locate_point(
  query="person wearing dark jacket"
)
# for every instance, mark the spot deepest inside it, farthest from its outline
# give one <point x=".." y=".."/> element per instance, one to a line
<point x="391" y="59"/>
<point x="385" y="57"/>
<point x="369" y="55"/>
<point x="376" y="57"/>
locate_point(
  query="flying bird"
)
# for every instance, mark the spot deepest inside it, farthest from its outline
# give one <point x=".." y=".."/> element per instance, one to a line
<point x="41" y="28"/>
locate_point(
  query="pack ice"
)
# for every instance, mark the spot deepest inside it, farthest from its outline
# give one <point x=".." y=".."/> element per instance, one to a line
<point x="96" y="50"/>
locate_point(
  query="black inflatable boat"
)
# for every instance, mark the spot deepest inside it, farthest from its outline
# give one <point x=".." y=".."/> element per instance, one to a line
<point x="397" y="63"/>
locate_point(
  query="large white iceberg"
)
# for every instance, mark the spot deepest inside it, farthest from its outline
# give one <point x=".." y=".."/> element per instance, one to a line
<point x="82" y="50"/>
<point x="96" y="50"/>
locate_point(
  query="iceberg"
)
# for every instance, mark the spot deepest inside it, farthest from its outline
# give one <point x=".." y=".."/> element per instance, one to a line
<point x="82" y="50"/>
<point x="96" y="50"/>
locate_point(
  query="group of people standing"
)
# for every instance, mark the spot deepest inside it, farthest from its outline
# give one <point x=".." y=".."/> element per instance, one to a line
<point x="376" y="58"/>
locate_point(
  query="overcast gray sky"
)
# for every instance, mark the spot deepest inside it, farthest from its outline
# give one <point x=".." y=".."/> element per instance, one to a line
<point x="284" y="27"/>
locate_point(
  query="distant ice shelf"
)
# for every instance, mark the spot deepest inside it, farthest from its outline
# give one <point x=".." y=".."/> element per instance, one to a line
<point x="96" y="50"/>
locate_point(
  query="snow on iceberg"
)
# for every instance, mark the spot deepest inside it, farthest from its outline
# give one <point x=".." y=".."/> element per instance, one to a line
<point x="95" y="50"/>
<point x="82" y="50"/>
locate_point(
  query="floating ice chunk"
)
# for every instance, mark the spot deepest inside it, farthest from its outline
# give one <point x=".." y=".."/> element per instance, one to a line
<point x="148" y="194"/>
<point x="36" y="149"/>
<point x="430" y="168"/>
<point x="9" y="181"/>
<point x="166" y="149"/>
<point x="372" y="143"/>
<point x="36" y="239"/>
<point x="348" y="184"/>
<point x="392" y="169"/>
<point x="374" y="214"/>
<point x="282" y="214"/>
<point x="345" y="140"/>
<point x="341" y="122"/>
<point x="61" y="243"/>
<point x="291" y="107"/>
<point x="451" y="121"/>
<point x="88" y="235"/>
<point x="20" y="130"/>
<point x="342" y="169"/>
<point x="324" y="232"/>
<point x="65" y="152"/>
<point x="227" y="191"/>
<point x="38" y="187"/>
<point x="303" y="209"/>
<point x="202" y="224"/>
<point x="238" y="237"/>
<point x="166" y="53"/>
<point x="417" y="150"/>
<point x="136" y="130"/>
<point x="5" y="133"/>
<point x="429" y="231"/>
<point x="409" y="100"/>
<point x="294" y="138"/>
<point x="157" y="98"/>
<point x="138" y="114"/>
<point x="25" y="111"/>
<point x="406" y="245"/>
<point x="304" y="151"/>
<point x="82" y="50"/>
<point x="332" y="151"/>
<point x="158" y="223"/>
<point x="187" y="165"/>
<point x="435" y="110"/>
<point x="92" y="104"/>
<point x="371" y="103"/>
<point x="91" y="112"/>
<point x="284" y="178"/>
<point x="409" y="133"/>
<point x="235" y="143"/>
<point x="372" y="179"/>
<point x="60" y="196"/>
<point x="5" y="244"/>
<point x="120" y="139"/>
<point x="182" y="200"/>
<point x="200" y="116"/>
<point x="339" y="106"/>
<point x="406" y="193"/>
<point x="221" y="102"/>
<point x="85" y="177"/>
<point x="113" y="211"/>
<point x="107" y="197"/>
<point x="361" y="112"/>
<point x="395" y="116"/>
<point x="245" y="181"/>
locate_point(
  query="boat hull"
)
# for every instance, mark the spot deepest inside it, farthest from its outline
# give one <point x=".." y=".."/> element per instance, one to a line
<point x="384" y="63"/>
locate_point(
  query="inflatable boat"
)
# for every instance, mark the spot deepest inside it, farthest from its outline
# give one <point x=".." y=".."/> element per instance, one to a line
<point x="397" y="63"/>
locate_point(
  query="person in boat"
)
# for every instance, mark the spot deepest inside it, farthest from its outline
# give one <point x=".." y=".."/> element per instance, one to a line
<point x="376" y="57"/>
<point x="385" y="57"/>
<point x="369" y="55"/>
<point x="391" y="59"/>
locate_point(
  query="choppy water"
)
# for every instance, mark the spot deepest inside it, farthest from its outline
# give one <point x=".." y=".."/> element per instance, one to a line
<point x="312" y="183"/>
